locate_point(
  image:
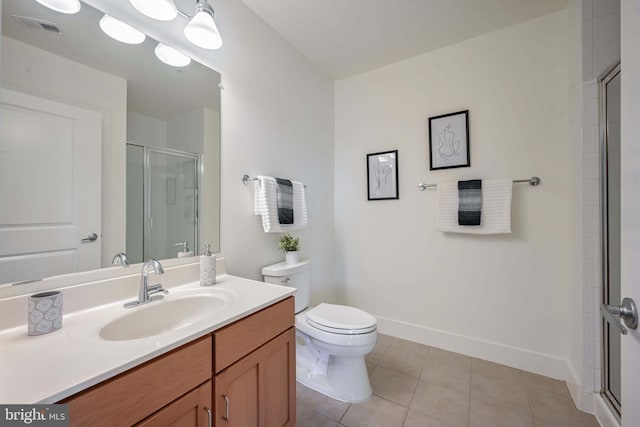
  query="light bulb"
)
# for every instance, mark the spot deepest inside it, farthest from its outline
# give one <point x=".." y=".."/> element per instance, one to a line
<point x="62" y="6"/>
<point x="170" y="56"/>
<point x="120" y="31"/>
<point x="162" y="10"/>
<point x="202" y="30"/>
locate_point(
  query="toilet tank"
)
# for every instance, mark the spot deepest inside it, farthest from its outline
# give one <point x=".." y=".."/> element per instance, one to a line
<point x="296" y="275"/>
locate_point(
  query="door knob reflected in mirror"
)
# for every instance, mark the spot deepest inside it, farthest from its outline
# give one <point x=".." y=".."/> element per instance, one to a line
<point x="90" y="238"/>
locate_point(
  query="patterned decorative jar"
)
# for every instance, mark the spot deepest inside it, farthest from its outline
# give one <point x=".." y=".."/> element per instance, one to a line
<point x="45" y="312"/>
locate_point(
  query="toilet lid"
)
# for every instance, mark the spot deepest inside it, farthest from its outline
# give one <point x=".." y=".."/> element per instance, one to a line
<point x="341" y="317"/>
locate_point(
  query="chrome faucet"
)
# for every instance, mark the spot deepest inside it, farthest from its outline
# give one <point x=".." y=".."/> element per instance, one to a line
<point x="145" y="292"/>
<point x="120" y="259"/>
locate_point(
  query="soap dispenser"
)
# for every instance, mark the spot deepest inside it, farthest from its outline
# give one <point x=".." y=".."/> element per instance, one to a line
<point x="207" y="267"/>
<point x="185" y="252"/>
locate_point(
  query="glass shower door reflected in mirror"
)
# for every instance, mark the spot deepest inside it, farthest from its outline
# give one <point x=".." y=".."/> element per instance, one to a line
<point x="165" y="205"/>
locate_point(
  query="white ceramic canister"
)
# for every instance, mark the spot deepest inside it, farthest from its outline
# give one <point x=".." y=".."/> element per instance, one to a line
<point x="207" y="267"/>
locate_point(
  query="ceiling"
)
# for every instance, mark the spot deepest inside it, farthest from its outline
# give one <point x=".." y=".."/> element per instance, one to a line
<point x="347" y="37"/>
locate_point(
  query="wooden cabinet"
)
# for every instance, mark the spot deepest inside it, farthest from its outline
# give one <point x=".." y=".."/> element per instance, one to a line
<point x="255" y="369"/>
<point x="238" y="339"/>
<point x="259" y="389"/>
<point x="191" y="410"/>
<point x="132" y="396"/>
<point x="243" y="373"/>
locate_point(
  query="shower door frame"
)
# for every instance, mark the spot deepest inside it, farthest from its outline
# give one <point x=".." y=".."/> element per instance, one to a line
<point x="147" y="218"/>
<point x="609" y="74"/>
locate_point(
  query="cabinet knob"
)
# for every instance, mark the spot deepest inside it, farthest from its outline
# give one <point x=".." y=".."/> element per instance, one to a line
<point x="226" y="404"/>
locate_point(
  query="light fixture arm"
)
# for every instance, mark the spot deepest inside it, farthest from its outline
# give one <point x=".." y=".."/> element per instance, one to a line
<point x="200" y="5"/>
<point x="204" y="6"/>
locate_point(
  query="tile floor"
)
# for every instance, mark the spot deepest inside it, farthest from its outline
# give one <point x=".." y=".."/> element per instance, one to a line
<point x="417" y="385"/>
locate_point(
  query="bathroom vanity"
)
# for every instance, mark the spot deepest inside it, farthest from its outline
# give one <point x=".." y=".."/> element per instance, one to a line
<point x="247" y="367"/>
<point x="234" y="366"/>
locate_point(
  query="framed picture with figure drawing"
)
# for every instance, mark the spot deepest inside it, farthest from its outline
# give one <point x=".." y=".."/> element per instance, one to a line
<point x="382" y="175"/>
<point x="449" y="141"/>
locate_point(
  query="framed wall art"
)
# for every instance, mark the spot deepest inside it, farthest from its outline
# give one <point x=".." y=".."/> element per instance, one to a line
<point x="449" y="141"/>
<point x="382" y="175"/>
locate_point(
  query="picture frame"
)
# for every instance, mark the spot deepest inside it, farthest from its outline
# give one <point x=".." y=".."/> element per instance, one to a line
<point x="382" y="175"/>
<point x="449" y="141"/>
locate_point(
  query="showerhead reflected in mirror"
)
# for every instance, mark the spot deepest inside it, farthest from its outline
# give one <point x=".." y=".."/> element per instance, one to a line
<point x="100" y="137"/>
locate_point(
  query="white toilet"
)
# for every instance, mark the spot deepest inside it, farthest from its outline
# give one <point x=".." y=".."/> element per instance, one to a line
<point x="331" y="340"/>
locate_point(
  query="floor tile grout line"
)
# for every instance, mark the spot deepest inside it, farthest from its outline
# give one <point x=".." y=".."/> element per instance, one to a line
<point x="414" y="391"/>
<point x="526" y="390"/>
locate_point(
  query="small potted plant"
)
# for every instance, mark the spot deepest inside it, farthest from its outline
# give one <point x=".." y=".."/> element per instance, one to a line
<point x="290" y="247"/>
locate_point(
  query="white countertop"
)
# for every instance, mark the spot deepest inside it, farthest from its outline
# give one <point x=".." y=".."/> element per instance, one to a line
<point x="49" y="368"/>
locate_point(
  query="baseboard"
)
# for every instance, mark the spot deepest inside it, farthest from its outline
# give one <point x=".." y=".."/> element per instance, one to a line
<point x="576" y="390"/>
<point x="527" y="360"/>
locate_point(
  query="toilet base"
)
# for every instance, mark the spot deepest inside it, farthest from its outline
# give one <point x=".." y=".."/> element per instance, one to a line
<point x="342" y="378"/>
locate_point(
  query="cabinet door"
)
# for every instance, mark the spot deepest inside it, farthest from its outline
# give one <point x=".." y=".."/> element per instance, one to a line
<point x="259" y="390"/>
<point x="191" y="410"/>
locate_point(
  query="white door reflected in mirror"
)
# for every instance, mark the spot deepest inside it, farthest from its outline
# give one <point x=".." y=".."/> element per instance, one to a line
<point x="49" y="207"/>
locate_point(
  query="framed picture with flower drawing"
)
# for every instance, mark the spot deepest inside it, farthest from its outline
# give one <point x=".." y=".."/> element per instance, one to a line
<point x="449" y="141"/>
<point x="382" y="175"/>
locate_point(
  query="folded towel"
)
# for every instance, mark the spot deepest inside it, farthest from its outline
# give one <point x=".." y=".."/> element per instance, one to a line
<point x="266" y="200"/>
<point x="285" y="201"/>
<point x="469" y="202"/>
<point x="496" y="208"/>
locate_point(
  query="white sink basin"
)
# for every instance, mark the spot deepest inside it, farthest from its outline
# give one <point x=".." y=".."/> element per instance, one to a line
<point x="161" y="316"/>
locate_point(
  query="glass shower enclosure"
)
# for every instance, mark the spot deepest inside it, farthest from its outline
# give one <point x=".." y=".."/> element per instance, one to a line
<point x="609" y="96"/>
<point x="162" y="202"/>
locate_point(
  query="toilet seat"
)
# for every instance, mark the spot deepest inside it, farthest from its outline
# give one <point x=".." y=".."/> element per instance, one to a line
<point x="340" y="319"/>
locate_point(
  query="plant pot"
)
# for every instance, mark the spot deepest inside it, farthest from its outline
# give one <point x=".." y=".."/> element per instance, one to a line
<point x="291" y="257"/>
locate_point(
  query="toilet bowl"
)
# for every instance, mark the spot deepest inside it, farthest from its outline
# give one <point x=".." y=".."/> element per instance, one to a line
<point x="331" y="340"/>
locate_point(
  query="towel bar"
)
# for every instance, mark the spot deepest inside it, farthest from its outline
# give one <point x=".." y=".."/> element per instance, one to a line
<point x="533" y="181"/>
<point x="246" y="178"/>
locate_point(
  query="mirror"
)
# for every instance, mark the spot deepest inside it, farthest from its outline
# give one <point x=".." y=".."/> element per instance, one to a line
<point x="103" y="147"/>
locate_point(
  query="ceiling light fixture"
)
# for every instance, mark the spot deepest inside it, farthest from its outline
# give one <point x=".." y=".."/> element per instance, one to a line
<point x="120" y="31"/>
<point x="170" y="56"/>
<point x="162" y="10"/>
<point x="62" y="6"/>
<point x="202" y="30"/>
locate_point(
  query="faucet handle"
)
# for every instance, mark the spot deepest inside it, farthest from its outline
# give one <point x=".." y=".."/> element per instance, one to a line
<point x="154" y="289"/>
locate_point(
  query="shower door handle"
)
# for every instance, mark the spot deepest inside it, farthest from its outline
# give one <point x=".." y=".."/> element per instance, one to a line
<point x="627" y="312"/>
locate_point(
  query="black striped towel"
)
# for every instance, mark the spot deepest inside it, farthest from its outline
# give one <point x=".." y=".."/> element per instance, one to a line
<point x="469" y="202"/>
<point x="285" y="201"/>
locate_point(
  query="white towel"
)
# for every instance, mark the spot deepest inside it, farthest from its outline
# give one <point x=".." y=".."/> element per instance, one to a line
<point x="496" y="208"/>
<point x="266" y="205"/>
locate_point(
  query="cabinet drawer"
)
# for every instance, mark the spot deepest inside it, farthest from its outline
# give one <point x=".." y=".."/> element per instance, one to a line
<point x="233" y="342"/>
<point x="139" y="392"/>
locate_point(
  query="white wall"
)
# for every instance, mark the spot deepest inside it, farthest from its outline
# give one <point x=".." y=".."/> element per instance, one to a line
<point x="186" y="131"/>
<point x="276" y="119"/>
<point x="146" y="130"/>
<point x="574" y="360"/>
<point x="41" y="73"/>
<point x="503" y="297"/>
